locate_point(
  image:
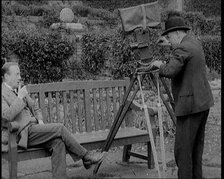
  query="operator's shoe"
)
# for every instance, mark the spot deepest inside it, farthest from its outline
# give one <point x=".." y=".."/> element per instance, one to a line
<point x="91" y="159"/>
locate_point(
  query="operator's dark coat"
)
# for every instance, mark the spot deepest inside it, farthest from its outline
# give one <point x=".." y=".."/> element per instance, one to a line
<point x="193" y="98"/>
<point x="187" y="70"/>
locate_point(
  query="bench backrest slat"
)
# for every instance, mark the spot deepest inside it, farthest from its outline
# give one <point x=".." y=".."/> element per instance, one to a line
<point x="115" y="106"/>
<point x="72" y="111"/>
<point x="42" y="104"/>
<point x="65" y="110"/>
<point x="108" y="114"/>
<point x="50" y="103"/>
<point x="95" y="109"/>
<point x="79" y="111"/>
<point x="120" y="101"/>
<point x="58" y="107"/>
<point x="101" y="108"/>
<point x="88" y="120"/>
<point x="82" y="106"/>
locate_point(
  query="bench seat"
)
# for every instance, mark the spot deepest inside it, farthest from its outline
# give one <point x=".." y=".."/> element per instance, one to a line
<point x="91" y="141"/>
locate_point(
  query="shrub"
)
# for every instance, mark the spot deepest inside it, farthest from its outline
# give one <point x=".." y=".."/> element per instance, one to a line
<point x="31" y="2"/>
<point x="93" y="52"/>
<point x="212" y="48"/>
<point x="112" y="51"/>
<point x="94" y="13"/>
<point x="7" y="8"/>
<point x="43" y="55"/>
<point x="49" y="18"/>
<point x="122" y="60"/>
<point x="212" y="26"/>
<point x="208" y="7"/>
<point x="198" y="22"/>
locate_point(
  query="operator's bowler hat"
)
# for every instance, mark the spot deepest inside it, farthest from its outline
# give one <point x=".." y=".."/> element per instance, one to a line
<point x="174" y="23"/>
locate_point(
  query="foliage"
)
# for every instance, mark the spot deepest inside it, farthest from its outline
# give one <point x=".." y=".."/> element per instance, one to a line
<point x="199" y="24"/>
<point x="7" y="8"/>
<point x="122" y="61"/>
<point x="212" y="26"/>
<point x="50" y="17"/>
<point x="212" y="49"/>
<point x="208" y="7"/>
<point x="112" y="5"/>
<point x="93" y="52"/>
<point x="23" y="10"/>
<point x="43" y="55"/>
<point x="31" y="2"/>
<point x="113" y="52"/>
<point x="93" y="13"/>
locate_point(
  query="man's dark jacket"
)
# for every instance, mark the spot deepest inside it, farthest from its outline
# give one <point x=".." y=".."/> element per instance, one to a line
<point x="187" y="70"/>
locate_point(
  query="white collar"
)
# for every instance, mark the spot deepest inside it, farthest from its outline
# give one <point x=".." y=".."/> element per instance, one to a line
<point x="8" y="86"/>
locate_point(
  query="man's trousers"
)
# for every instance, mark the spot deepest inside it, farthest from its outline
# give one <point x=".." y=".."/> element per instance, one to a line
<point x="57" y="139"/>
<point x="189" y="144"/>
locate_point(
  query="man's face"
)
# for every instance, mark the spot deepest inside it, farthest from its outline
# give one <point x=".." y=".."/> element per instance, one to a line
<point x="172" y="37"/>
<point x="13" y="78"/>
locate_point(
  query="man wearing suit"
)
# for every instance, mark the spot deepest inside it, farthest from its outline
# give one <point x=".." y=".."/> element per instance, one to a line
<point x="191" y="92"/>
<point x="32" y="131"/>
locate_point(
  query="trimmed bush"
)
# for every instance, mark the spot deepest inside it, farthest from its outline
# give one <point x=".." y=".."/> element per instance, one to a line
<point x="93" y="52"/>
<point x="212" y="49"/>
<point x="43" y="55"/>
<point x="112" y="51"/>
<point x="208" y="7"/>
<point x="212" y="26"/>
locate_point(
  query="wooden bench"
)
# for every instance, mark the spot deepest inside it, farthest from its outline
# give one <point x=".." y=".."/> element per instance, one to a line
<point x="87" y="109"/>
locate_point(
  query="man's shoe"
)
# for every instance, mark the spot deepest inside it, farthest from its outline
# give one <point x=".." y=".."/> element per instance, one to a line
<point x="91" y="159"/>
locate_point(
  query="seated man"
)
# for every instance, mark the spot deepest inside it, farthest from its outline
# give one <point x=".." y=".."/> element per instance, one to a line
<point x="20" y="107"/>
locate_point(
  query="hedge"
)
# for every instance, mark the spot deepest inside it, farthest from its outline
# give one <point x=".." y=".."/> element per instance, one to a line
<point x="43" y="55"/>
<point x="207" y="7"/>
<point x="212" y="48"/>
<point x="198" y="22"/>
<point x="112" y="51"/>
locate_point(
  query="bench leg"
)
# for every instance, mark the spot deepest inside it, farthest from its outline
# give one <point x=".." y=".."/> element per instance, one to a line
<point x="150" y="156"/>
<point x="12" y="156"/>
<point x="126" y="155"/>
<point x="12" y="169"/>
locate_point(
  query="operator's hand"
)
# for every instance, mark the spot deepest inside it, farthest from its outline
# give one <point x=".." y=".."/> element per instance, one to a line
<point x="22" y="92"/>
<point x="156" y="64"/>
<point x="163" y="41"/>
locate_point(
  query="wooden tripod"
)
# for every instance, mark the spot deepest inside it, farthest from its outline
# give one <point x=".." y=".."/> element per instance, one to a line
<point x="136" y="81"/>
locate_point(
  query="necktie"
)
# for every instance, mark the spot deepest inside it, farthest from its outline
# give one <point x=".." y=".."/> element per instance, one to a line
<point x="14" y="91"/>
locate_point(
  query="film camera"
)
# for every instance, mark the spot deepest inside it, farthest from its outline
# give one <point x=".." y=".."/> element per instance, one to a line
<point x="139" y="19"/>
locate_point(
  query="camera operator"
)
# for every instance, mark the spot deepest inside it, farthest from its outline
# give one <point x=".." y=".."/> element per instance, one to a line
<point x="192" y="95"/>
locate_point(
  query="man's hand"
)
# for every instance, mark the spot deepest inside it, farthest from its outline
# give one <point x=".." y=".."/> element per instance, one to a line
<point x="156" y="64"/>
<point x="22" y="92"/>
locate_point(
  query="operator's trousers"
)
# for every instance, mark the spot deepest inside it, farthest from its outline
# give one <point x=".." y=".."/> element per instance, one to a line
<point x="57" y="139"/>
<point x="189" y="144"/>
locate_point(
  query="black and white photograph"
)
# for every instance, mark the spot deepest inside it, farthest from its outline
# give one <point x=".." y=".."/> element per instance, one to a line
<point x="111" y="89"/>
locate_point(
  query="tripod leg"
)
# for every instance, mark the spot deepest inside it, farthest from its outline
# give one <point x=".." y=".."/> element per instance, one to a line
<point x="150" y="130"/>
<point x="118" y="120"/>
<point x="161" y="129"/>
<point x="167" y="91"/>
<point x="169" y="109"/>
<point x="119" y="113"/>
